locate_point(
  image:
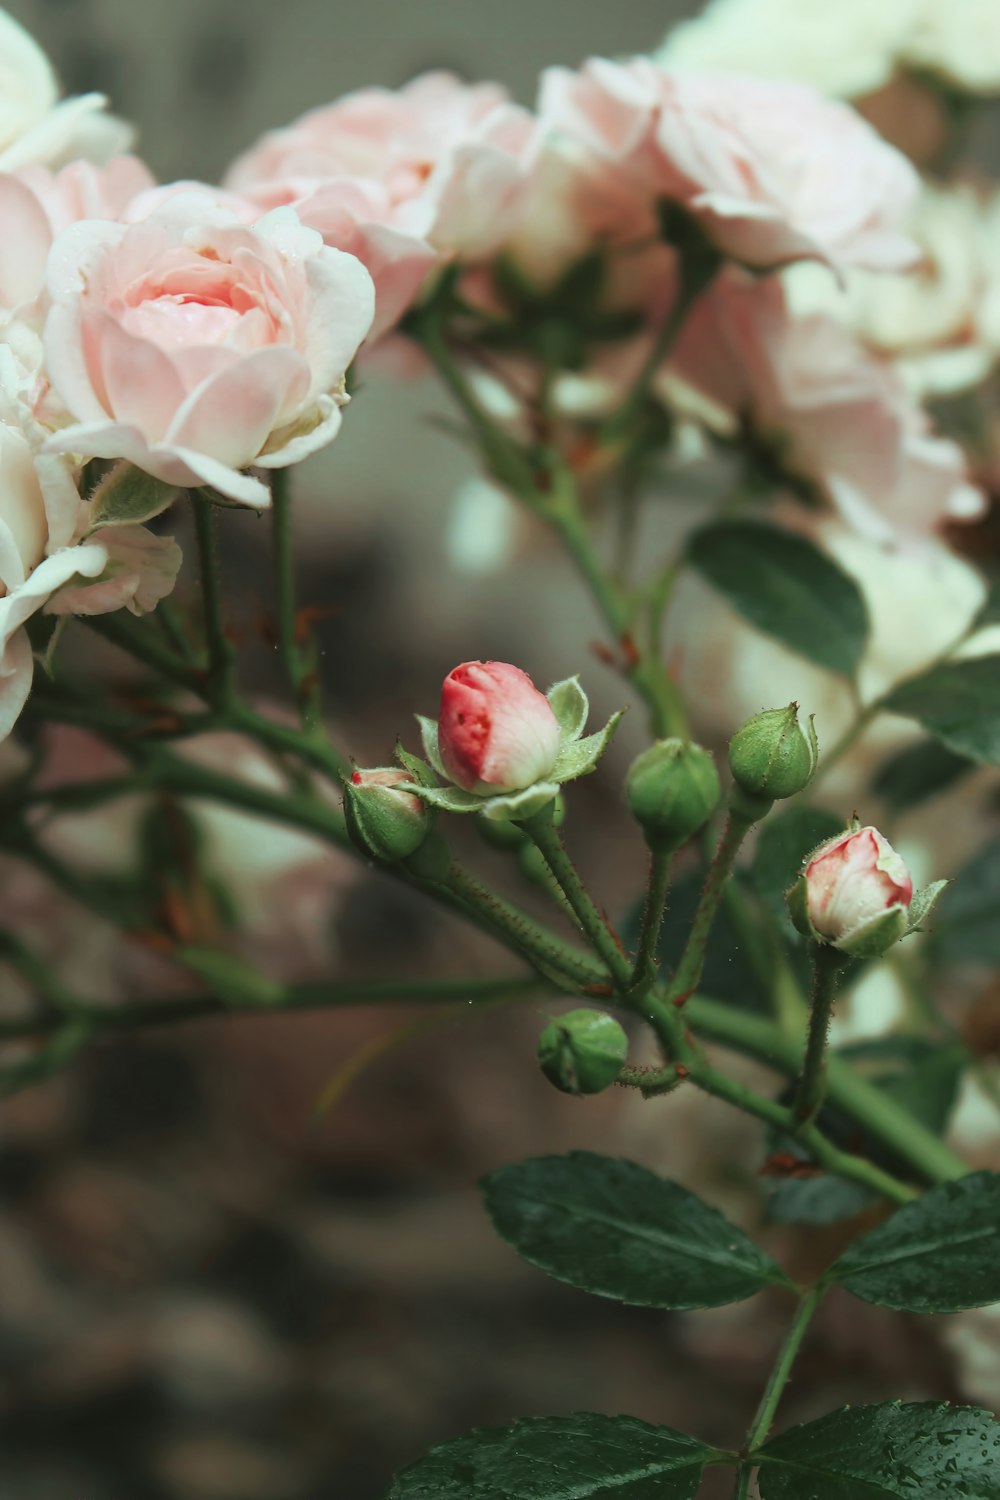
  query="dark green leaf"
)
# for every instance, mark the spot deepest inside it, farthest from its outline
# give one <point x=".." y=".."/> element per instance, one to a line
<point x="918" y="773"/>
<point x="785" y="840"/>
<point x="966" y="929"/>
<point x="936" y="1255"/>
<point x="614" y="1229"/>
<point x="785" y="586"/>
<point x="959" y="703"/>
<point x="582" y="1457"/>
<point x="888" y="1452"/>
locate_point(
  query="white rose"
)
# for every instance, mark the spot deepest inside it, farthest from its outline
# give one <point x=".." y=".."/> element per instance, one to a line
<point x="846" y="50"/>
<point x="35" y="126"/>
<point x="939" y="324"/>
<point x="958" y="40"/>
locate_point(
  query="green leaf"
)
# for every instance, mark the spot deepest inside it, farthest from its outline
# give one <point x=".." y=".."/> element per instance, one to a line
<point x="570" y="705"/>
<point x="959" y="703"/>
<point x="579" y="757"/>
<point x="232" y="980"/>
<point x="936" y="1255"/>
<point x="887" y="1452"/>
<point x="989" y="611"/>
<point x="614" y="1229"/>
<point x="582" y="1457"/>
<point x="429" y="739"/>
<point x="918" y="773"/>
<point x="785" y="586"/>
<point x="785" y="840"/>
<point x="966" y="929"/>
<point x="127" y="497"/>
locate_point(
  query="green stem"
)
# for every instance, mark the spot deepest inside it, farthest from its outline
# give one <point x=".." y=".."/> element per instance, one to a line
<point x="139" y="642"/>
<point x="696" y="274"/>
<point x="647" y="957"/>
<point x="599" y="934"/>
<point x="879" y="1116"/>
<point x="692" y="960"/>
<point x="561" y="508"/>
<point x="297" y="656"/>
<point x="179" y="1010"/>
<point x="761" y="1425"/>
<point x="220" y="652"/>
<point x="558" y="961"/>
<point x="827" y="966"/>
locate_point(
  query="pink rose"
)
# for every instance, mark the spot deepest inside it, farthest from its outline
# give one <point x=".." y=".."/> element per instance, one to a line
<point x="195" y="346"/>
<point x="833" y="413"/>
<point x="496" y="731"/>
<point x="35" y="204"/>
<point x="772" y="171"/>
<point x="397" y="177"/>
<point x="851" y="881"/>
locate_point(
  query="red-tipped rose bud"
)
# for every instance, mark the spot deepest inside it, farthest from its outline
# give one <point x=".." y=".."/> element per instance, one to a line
<point x="384" y="822"/>
<point x="854" y="893"/>
<point x="496" y="731"/>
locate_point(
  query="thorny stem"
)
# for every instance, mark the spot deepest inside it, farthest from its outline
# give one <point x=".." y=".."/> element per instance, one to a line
<point x="692" y="961"/>
<point x="646" y="960"/>
<point x="827" y="966"/>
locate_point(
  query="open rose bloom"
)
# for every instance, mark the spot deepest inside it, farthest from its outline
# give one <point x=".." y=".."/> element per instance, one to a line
<point x="195" y="347"/>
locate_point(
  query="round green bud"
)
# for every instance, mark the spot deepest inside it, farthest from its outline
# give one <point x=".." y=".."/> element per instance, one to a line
<point x="771" y="756"/>
<point x="583" y="1051"/>
<point x="383" y="821"/>
<point x="672" y="790"/>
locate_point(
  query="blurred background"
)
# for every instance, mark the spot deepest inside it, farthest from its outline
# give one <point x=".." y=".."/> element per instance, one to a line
<point x="206" y="1294"/>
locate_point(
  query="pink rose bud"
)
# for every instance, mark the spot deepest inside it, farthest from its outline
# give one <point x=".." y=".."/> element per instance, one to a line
<point x="496" y="732"/>
<point x="857" y="892"/>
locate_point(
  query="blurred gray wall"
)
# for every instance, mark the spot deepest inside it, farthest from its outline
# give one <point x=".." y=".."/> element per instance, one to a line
<point x="202" y="78"/>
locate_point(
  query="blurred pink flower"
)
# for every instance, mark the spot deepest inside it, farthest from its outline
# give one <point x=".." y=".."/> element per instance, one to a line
<point x="772" y="171"/>
<point x="399" y="177"/>
<point x="195" y="346"/>
<point x="830" y="412"/>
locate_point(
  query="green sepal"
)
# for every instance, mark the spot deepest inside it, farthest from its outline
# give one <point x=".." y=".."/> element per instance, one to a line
<point x="797" y="901"/>
<point x="922" y="904"/>
<point x="128" y="497"/>
<point x="449" y="798"/>
<point x="416" y="767"/>
<point x="570" y="705"/>
<point x="518" y="806"/>
<point x="429" y="738"/>
<point x="872" y="939"/>
<point x="579" y="757"/>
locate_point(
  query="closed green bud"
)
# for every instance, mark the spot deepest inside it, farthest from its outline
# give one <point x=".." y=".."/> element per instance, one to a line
<point x="383" y="821"/>
<point x="771" y="756"/>
<point x="583" y="1051"/>
<point x="672" y="790"/>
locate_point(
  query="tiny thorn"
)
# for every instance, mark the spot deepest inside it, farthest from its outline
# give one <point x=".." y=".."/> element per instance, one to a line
<point x="681" y="1070"/>
<point x="599" y="991"/>
<point x="630" y="650"/>
<point x="603" y="653"/>
<point x="682" y="999"/>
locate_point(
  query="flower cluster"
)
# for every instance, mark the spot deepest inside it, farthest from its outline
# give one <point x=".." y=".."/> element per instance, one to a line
<point x="201" y="336"/>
